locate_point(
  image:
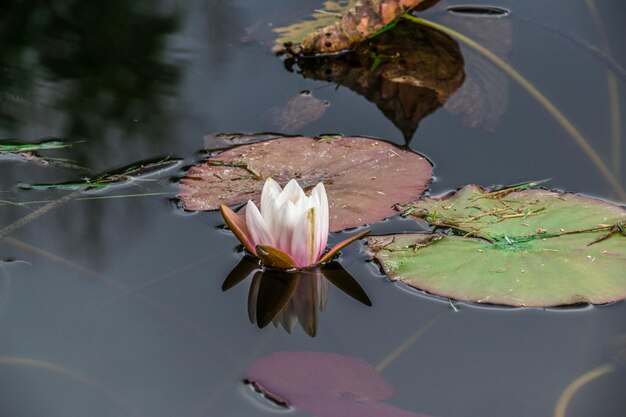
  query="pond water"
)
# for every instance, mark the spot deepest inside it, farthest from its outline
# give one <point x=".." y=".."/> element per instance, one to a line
<point x="113" y="306"/>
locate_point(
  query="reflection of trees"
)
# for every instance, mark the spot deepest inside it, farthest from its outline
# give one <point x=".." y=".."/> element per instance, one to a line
<point x="105" y="57"/>
<point x="89" y="70"/>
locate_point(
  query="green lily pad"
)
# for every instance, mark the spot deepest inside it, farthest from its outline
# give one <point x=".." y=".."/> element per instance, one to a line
<point x="515" y="212"/>
<point x="517" y="247"/>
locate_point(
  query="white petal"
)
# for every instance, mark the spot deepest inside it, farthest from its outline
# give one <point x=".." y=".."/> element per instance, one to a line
<point x="291" y="192"/>
<point x="259" y="232"/>
<point x="322" y="218"/>
<point x="283" y="226"/>
<point x="271" y="190"/>
<point x="303" y="248"/>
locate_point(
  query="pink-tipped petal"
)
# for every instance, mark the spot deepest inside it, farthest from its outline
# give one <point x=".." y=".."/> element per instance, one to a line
<point x="257" y="227"/>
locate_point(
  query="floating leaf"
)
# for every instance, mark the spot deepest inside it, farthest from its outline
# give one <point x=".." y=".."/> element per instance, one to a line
<point x="363" y="177"/>
<point x="525" y="213"/>
<point x="324" y="16"/>
<point x="128" y="174"/>
<point x="529" y="247"/>
<point x="408" y="72"/>
<point x="324" y="384"/>
<point x="15" y="146"/>
<point x="365" y="20"/>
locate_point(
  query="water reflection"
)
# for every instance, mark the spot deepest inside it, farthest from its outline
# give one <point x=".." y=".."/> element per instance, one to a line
<point x="408" y="72"/>
<point x="107" y="59"/>
<point x="286" y="298"/>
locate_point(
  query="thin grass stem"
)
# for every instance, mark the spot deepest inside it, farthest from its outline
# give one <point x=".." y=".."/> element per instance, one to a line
<point x="566" y="396"/>
<point x="73" y="375"/>
<point x="611" y="81"/>
<point x="580" y="140"/>
<point x="398" y="351"/>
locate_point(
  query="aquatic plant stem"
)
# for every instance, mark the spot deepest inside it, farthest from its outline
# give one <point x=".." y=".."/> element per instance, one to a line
<point x="36" y="214"/>
<point x="580" y="140"/>
<point x="567" y="395"/>
<point x="70" y="374"/>
<point x="102" y="197"/>
<point x="611" y="80"/>
<point x="171" y="316"/>
<point x="395" y="354"/>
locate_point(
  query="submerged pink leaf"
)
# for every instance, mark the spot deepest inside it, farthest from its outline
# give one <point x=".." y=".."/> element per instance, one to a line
<point x="325" y="384"/>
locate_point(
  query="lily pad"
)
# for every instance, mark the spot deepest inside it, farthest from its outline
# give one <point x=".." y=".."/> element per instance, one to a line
<point x="363" y="177"/>
<point x="324" y="384"/>
<point x="516" y="212"/>
<point x="529" y="247"/>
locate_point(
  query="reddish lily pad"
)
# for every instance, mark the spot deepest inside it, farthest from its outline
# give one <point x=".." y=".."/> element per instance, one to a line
<point x="324" y="384"/>
<point x="364" y="178"/>
<point x="517" y="247"/>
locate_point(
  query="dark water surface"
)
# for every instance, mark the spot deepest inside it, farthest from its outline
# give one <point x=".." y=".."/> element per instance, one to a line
<point x="115" y="307"/>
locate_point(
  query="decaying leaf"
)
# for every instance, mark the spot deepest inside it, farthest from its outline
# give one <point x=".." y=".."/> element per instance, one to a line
<point x="321" y="17"/>
<point x="363" y="177"/>
<point x="364" y="19"/>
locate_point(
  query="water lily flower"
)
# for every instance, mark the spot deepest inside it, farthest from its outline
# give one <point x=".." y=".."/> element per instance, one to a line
<point x="291" y="229"/>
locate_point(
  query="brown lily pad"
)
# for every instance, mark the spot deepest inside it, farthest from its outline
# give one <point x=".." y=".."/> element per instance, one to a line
<point x="364" y="178"/>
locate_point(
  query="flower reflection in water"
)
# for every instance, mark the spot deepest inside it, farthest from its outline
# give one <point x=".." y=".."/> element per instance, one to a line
<point x="286" y="298"/>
